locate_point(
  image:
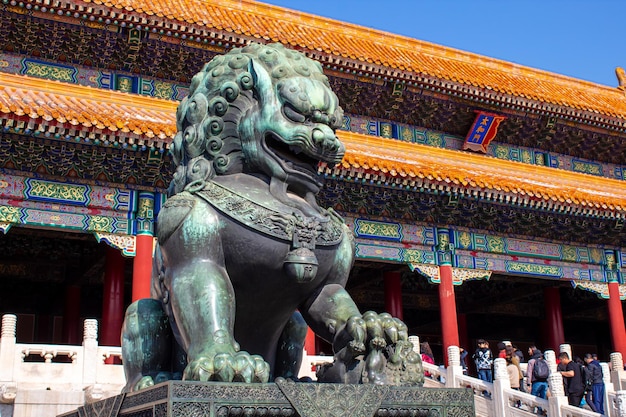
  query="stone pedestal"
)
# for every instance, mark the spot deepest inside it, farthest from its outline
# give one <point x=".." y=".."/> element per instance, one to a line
<point x="283" y="398"/>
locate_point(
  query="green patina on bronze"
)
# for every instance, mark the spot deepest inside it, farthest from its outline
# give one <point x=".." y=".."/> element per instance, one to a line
<point x="246" y="258"/>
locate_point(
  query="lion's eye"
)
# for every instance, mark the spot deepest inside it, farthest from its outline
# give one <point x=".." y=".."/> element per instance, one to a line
<point x="293" y="115"/>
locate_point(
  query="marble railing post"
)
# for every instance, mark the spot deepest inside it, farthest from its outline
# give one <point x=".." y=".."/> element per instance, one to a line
<point x="620" y="399"/>
<point x="7" y="347"/>
<point x="499" y="402"/>
<point x="8" y="387"/>
<point x="557" y="397"/>
<point x="454" y="367"/>
<point x="415" y="341"/>
<point x="550" y="357"/>
<point x="90" y="352"/>
<point x="618" y="375"/>
<point x="555" y="384"/>
<point x="566" y="348"/>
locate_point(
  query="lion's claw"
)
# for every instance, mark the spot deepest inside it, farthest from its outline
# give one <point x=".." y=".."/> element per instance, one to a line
<point x="228" y="367"/>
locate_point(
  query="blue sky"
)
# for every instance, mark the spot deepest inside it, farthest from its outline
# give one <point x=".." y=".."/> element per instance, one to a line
<point x="577" y="38"/>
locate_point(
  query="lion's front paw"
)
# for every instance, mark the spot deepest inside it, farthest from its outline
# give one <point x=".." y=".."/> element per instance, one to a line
<point x="228" y="367"/>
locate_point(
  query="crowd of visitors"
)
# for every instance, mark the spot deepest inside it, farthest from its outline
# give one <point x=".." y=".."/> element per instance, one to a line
<point x="582" y="378"/>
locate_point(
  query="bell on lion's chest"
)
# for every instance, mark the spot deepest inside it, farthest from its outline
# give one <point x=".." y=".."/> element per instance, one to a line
<point x="301" y="265"/>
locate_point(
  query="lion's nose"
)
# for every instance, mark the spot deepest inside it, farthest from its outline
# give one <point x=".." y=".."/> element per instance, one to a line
<point x="325" y="139"/>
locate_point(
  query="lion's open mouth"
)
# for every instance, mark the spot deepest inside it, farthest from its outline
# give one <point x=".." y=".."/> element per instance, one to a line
<point x="293" y="156"/>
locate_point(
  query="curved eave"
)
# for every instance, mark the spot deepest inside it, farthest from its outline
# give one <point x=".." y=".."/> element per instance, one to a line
<point x="38" y="105"/>
<point x="417" y="167"/>
<point x="67" y="111"/>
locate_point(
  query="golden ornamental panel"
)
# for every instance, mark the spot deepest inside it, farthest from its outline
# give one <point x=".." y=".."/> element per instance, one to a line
<point x="9" y="214"/>
<point x="600" y="288"/>
<point x="57" y="191"/>
<point x="125" y="243"/>
<point x="459" y="275"/>
<point x="429" y="271"/>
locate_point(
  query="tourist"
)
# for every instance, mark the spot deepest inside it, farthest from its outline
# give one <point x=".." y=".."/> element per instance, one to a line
<point x="597" y="384"/>
<point x="514" y="359"/>
<point x="538" y="386"/>
<point x="483" y="360"/>
<point x="501" y="350"/>
<point x="513" y="368"/>
<point x="573" y="375"/>
<point x="519" y="354"/>
<point x="427" y="355"/>
<point x="463" y="358"/>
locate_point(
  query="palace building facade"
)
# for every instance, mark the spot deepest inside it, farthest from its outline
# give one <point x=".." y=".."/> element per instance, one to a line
<point x="487" y="199"/>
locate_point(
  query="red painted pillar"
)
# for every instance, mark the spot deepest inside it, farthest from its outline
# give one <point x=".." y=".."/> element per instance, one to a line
<point x="142" y="267"/>
<point x="309" y="343"/>
<point x="616" y="319"/>
<point x="71" y="315"/>
<point x="144" y="244"/>
<point x="554" y="318"/>
<point x="447" y="303"/>
<point x="393" y="294"/>
<point x="112" y="298"/>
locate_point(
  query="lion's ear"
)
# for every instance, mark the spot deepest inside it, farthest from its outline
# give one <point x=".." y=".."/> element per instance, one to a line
<point x="262" y="81"/>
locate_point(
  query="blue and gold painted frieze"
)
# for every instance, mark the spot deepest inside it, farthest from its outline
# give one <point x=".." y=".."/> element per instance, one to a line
<point x="393" y="252"/>
<point x="19" y="188"/>
<point x="518" y="265"/>
<point x="76" y="74"/>
<point x="378" y="239"/>
<point x="388" y="230"/>
<point x="377" y="230"/>
<point x="531" y="248"/>
<point x="87" y="208"/>
<point x="48" y="70"/>
<point x="64" y="220"/>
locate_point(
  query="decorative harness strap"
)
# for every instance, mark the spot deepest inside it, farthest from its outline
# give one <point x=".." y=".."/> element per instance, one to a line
<point x="301" y="231"/>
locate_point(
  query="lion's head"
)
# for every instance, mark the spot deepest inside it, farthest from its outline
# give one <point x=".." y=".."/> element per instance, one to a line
<point x="260" y="109"/>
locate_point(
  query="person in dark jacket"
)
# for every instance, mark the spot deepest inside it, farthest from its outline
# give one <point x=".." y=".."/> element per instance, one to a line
<point x="597" y="383"/>
<point x="574" y="375"/>
<point x="483" y="359"/>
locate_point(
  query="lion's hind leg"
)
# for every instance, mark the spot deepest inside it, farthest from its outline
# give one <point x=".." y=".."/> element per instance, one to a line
<point x="146" y="345"/>
<point x="290" y="347"/>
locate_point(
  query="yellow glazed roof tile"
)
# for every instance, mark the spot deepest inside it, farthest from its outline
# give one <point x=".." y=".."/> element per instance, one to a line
<point x="86" y="106"/>
<point x="51" y="103"/>
<point x="363" y="44"/>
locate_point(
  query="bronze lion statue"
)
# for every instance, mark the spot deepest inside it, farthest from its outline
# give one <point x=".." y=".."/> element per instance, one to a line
<point x="246" y="258"/>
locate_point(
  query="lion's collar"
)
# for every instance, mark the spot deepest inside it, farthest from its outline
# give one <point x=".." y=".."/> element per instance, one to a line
<point x="301" y="231"/>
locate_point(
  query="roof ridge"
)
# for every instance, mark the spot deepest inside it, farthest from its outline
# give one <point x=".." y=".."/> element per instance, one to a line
<point x="251" y="7"/>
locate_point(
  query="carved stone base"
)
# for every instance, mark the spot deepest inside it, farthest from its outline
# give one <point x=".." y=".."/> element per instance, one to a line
<point x="283" y="398"/>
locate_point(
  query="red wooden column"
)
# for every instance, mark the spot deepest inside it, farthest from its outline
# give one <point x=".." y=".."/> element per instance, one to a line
<point x="142" y="267"/>
<point x="112" y="298"/>
<point x="310" y="344"/>
<point x="554" y="318"/>
<point x="616" y="313"/>
<point x="447" y="300"/>
<point x="616" y="319"/>
<point x="393" y="294"/>
<point x="144" y="245"/>
<point x="71" y="315"/>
